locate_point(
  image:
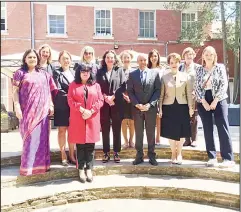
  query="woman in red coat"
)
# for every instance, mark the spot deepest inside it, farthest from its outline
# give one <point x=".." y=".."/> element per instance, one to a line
<point x="85" y="100"/>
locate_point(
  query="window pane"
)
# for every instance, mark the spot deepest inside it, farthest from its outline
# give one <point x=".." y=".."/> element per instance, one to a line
<point x="147" y="25"/>
<point x="147" y="16"/>
<point x="141" y="32"/>
<point x="102" y="22"/>
<point x="3" y="14"/>
<point x="108" y="32"/>
<point x="97" y="22"/>
<point x="97" y="30"/>
<point x="188" y="17"/>
<point x="97" y="12"/>
<point x="141" y="15"/>
<point x="192" y="17"/>
<point x="2" y="21"/>
<point x="152" y="25"/>
<point x="152" y="33"/>
<point x="184" y="17"/>
<point x="107" y="22"/>
<point x="52" y="30"/>
<point x="107" y="13"/>
<point x="3" y="4"/>
<point x="60" y="30"/>
<point x="102" y="13"/>
<point x="152" y="16"/>
<point x="141" y="23"/>
<point x="60" y="18"/>
<point x="147" y="33"/>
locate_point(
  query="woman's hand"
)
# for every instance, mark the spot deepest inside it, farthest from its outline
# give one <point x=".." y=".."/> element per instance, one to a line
<point x="206" y="105"/>
<point x="18" y="111"/>
<point x="51" y="110"/>
<point x="214" y="104"/>
<point x="86" y="114"/>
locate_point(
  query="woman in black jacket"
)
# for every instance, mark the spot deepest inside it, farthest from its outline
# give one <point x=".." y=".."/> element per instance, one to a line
<point x="112" y="82"/>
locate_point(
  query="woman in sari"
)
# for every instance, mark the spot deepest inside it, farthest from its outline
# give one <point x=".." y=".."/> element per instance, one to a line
<point x="32" y="88"/>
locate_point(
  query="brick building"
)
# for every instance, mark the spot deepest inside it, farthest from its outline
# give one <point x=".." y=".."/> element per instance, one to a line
<point x="70" y="26"/>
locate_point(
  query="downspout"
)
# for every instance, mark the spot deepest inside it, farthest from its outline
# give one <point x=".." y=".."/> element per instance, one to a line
<point x="32" y="25"/>
<point x="166" y="49"/>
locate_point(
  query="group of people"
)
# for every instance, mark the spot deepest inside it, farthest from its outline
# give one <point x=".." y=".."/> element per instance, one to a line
<point x="92" y="98"/>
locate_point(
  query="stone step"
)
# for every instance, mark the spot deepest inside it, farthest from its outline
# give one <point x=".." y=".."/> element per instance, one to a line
<point x="140" y="205"/>
<point x="163" y="152"/>
<point x="205" y="191"/>
<point x="10" y="175"/>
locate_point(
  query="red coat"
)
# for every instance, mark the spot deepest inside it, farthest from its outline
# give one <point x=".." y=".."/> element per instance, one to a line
<point x="84" y="131"/>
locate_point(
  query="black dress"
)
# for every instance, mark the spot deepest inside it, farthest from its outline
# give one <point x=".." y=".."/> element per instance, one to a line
<point x="127" y="107"/>
<point x="175" y="121"/>
<point x="61" y="106"/>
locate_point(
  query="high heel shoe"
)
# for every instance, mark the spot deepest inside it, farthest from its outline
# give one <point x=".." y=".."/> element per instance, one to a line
<point x="65" y="163"/>
<point x="179" y="159"/>
<point x="89" y="175"/>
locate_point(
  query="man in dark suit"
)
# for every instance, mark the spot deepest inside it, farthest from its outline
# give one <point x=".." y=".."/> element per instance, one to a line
<point x="143" y="87"/>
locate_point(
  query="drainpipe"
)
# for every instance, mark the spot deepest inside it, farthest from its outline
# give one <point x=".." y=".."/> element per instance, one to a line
<point x="32" y="25"/>
<point x="166" y="51"/>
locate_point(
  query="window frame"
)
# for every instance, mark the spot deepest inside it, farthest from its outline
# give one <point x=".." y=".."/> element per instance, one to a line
<point x="5" y="9"/>
<point x="4" y="77"/>
<point x="154" y="28"/>
<point x="188" y="12"/>
<point x="111" y="25"/>
<point x="56" y="12"/>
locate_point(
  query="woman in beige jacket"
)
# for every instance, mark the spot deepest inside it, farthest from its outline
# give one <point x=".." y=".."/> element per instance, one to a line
<point x="175" y="107"/>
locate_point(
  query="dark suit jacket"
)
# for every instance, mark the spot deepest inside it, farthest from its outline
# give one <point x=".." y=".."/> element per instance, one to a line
<point x="144" y="93"/>
<point x="62" y="83"/>
<point x="116" y="85"/>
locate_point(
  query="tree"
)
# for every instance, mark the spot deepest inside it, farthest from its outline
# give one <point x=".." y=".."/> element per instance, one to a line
<point x="229" y="12"/>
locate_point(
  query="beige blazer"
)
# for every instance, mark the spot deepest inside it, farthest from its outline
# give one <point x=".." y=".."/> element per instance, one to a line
<point x="181" y="89"/>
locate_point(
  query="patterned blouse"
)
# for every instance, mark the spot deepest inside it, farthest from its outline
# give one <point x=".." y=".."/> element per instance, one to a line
<point x="218" y="79"/>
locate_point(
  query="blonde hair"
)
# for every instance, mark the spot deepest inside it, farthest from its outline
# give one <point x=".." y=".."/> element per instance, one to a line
<point x="213" y="51"/>
<point x="91" y="49"/>
<point x="175" y="56"/>
<point x="188" y="50"/>
<point x="126" y="52"/>
<point x="61" y="54"/>
<point x="49" y="60"/>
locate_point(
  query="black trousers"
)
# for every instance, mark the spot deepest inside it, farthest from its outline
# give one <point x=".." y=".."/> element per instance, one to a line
<point x="85" y="155"/>
<point x="221" y="121"/>
<point x="110" y="115"/>
<point x="149" y="119"/>
<point x="193" y="122"/>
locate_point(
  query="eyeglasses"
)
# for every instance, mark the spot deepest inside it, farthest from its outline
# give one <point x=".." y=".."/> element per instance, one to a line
<point x="88" y="53"/>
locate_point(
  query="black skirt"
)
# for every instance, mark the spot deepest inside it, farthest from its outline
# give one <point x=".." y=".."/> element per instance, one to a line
<point x="127" y="107"/>
<point x="61" y="118"/>
<point x="175" y="121"/>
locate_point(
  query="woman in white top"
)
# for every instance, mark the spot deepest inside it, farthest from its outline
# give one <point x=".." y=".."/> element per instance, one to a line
<point x="154" y="64"/>
<point x="211" y="91"/>
<point x="63" y="77"/>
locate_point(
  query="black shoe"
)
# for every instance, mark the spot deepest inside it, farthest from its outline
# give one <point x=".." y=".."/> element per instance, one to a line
<point x="153" y="162"/>
<point x="137" y="161"/>
<point x="116" y="157"/>
<point x="106" y="157"/>
<point x="187" y="142"/>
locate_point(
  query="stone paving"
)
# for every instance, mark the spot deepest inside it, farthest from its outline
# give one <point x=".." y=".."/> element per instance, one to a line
<point x="21" y="194"/>
<point x="11" y="143"/>
<point x="134" y="205"/>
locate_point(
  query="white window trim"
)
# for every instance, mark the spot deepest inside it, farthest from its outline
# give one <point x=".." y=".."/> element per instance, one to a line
<point x="188" y="12"/>
<point x="99" y="37"/>
<point x="56" y="35"/>
<point x="6" y="78"/>
<point x="5" y="32"/>
<point x="142" y="38"/>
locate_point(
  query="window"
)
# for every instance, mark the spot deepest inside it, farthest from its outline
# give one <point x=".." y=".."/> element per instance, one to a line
<point x="4" y="90"/>
<point x="188" y="23"/>
<point x="56" y="20"/>
<point x="146" y="24"/>
<point x="3" y="16"/>
<point x="103" y="23"/>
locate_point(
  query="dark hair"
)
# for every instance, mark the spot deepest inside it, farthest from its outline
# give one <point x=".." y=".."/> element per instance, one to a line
<point x="149" y="64"/>
<point x="24" y="65"/>
<point x="116" y="63"/>
<point x="84" y="67"/>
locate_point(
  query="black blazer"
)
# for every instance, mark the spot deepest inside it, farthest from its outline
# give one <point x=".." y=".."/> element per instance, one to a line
<point x="62" y="83"/>
<point x="116" y="85"/>
<point x="144" y="93"/>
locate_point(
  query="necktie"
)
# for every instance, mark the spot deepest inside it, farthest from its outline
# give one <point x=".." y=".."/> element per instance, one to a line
<point x="143" y="77"/>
